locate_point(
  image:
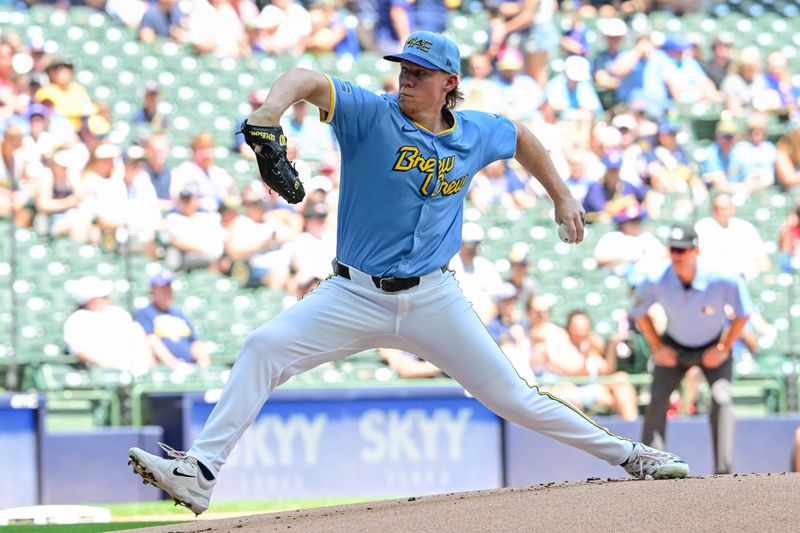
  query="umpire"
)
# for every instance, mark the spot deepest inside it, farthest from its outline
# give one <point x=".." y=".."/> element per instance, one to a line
<point x="698" y="333"/>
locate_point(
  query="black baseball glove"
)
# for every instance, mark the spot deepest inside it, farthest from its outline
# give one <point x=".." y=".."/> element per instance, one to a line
<point x="276" y="171"/>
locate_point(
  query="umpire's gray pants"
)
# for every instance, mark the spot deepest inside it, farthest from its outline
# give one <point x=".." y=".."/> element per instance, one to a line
<point x="720" y="379"/>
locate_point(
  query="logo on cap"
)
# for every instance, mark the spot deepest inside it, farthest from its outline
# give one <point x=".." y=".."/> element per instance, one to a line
<point x="422" y="45"/>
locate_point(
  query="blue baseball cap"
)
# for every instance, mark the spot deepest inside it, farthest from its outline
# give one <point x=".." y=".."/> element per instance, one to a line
<point x="613" y="159"/>
<point x="430" y="50"/>
<point x="676" y="42"/>
<point x="162" y="278"/>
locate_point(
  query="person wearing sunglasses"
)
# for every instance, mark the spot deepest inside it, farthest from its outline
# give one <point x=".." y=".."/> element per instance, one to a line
<point x="698" y="333"/>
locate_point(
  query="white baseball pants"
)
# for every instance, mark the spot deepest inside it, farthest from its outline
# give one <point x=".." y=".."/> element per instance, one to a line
<point x="433" y="320"/>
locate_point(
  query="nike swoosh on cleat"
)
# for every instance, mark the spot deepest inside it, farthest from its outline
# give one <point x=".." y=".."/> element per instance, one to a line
<point x="179" y="473"/>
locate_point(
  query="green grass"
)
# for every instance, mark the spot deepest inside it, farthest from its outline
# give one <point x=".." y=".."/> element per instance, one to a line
<point x="160" y="509"/>
<point x="166" y="507"/>
<point x="81" y="528"/>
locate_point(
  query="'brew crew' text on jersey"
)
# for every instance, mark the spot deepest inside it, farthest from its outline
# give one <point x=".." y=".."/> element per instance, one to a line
<point x="400" y="208"/>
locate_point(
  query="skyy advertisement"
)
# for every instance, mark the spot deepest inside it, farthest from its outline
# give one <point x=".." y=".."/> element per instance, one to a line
<point x="350" y="446"/>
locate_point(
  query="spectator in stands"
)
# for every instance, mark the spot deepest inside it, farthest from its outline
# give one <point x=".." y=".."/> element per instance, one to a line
<point x="611" y="195"/>
<point x="787" y="161"/>
<point x="509" y="332"/>
<point x="156" y="149"/>
<point x="313" y="250"/>
<point x="527" y="25"/>
<point x="149" y="114"/>
<point x="789" y="241"/>
<point x="212" y="182"/>
<point x="69" y="98"/>
<point x="718" y="66"/>
<point x="783" y="92"/>
<point x="57" y="197"/>
<point x="578" y="180"/>
<point x="715" y="168"/>
<point x="214" y="28"/>
<point x="496" y="184"/>
<point x="102" y="191"/>
<point x="691" y="83"/>
<point x="553" y="357"/>
<point x="519" y="94"/>
<point x="519" y="274"/>
<point x="126" y="12"/>
<point x="753" y="158"/>
<point x="172" y="338"/>
<point x="246" y="10"/>
<point x="39" y="141"/>
<point x="505" y="318"/>
<point x="256" y="240"/>
<point x="630" y="249"/>
<point x="165" y="19"/>
<point x="408" y="365"/>
<point x="481" y="91"/>
<point x="600" y="359"/>
<point x="313" y="139"/>
<point x="668" y="168"/>
<point x="15" y="183"/>
<point x="286" y="25"/>
<point x="140" y="206"/>
<point x="745" y="88"/>
<point x="103" y="335"/>
<point x="699" y="332"/>
<point x="645" y="75"/>
<point x="571" y="93"/>
<point x="476" y="275"/>
<point x="94" y="132"/>
<point x="392" y="25"/>
<point x="614" y="30"/>
<point x="731" y="244"/>
<point x="574" y="37"/>
<point x="196" y="235"/>
<point x="329" y="32"/>
<point x="632" y="145"/>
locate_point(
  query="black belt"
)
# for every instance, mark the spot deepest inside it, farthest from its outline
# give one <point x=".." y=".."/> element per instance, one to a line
<point x="384" y="284"/>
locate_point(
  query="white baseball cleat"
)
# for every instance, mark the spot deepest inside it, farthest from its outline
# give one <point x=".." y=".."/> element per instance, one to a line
<point x="180" y="477"/>
<point x="648" y="463"/>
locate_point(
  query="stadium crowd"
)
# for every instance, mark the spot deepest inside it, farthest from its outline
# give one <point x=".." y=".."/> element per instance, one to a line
<point x="608" y="95"/>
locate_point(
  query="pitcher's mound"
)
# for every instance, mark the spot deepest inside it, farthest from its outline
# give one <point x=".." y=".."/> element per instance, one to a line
<point x="752" y="502"/>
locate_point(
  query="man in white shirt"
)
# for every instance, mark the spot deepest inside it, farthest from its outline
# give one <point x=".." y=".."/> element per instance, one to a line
<point x="477" y="276"/>
<point x="630" y="248"/>
<point x="729" y="243"/>
<point x="104" y="335"/>
<point x="212" y="182"/>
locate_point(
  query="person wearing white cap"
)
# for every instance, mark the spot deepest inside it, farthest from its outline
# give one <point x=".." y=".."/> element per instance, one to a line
<point x="614" y="30"/>
<point x="476" y="275"/>
<point x="101" y="334"/>
<point x="103" y="189"/>
<point x="571" y="93"/>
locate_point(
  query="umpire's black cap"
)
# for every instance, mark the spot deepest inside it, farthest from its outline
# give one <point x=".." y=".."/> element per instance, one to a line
<point x="682" y="236"/>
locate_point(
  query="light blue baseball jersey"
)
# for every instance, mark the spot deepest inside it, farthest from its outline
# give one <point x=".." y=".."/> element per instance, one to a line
<point x="695" y="316"/>
<point x="402" y="188"/>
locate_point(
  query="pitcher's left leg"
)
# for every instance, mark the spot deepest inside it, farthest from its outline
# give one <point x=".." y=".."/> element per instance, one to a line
<point x="442" y="324"/>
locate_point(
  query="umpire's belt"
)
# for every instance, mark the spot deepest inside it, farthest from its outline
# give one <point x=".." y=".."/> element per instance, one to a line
<point x="384" y="284"/>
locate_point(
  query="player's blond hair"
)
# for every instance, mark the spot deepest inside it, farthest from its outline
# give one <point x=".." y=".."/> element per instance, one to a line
<point x="453" y="98"/>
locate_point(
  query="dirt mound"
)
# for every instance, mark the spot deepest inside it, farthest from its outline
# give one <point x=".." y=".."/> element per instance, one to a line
<point x="753" y="502"/>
